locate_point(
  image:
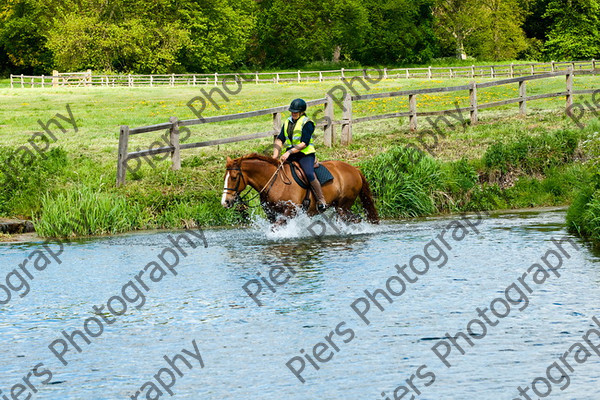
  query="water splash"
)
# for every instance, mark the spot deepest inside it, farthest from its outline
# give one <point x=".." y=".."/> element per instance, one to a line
<point x="323" y="225"/>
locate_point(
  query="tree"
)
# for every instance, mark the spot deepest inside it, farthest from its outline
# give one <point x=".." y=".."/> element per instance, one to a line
<point x="346" y="22"/>
<point x="219" y="31"/>
<point x="575" y="29"/>
<point x="501" y="37"/>
<point x="458" y="20"/>
<point x="399" y="31"/>
<point x="291" y="33"/>
<point x="22" y="42"/>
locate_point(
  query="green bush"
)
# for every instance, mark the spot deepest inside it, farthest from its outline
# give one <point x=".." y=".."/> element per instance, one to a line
<point x="583" y="217"/>
<point x="532" y="154"/>
<point x="84" y="211"/>
<point x="24" y="179"/>
<point x="404" y="181"/>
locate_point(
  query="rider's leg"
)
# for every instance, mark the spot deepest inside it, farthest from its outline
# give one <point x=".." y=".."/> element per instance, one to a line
<point x="308" y="166"/>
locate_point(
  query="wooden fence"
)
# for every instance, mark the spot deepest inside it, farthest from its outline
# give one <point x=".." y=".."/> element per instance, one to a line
<point x="328" y="124"/>
<point x="87" y="79"/>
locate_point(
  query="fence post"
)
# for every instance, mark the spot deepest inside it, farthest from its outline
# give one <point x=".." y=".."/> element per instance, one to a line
<point x="151" y="80"/>
<point x="472" y="71"/>
<point x="174" y="142"/>
<point x="42" y="82"/>
<point x="216" y="79"/>
<point x="412" y="105"/>
<point x="194" y="80"/>
<point x="122" y="157"/>
<point x="276" y="124"/>
<point x="473" y="101"/>
<point x="532" y="69"/>
<point x="320" y="76"/>
<point x="407" y="74"/>
<point x="256" y="76"/>
<point x="492" y="72"/>
<point x="385" y="75"/>
<point x="552" y="65"/>
<point x="54" y="78"/>
<point x="276" y="78"/>
<point x="347" y="120"/>
<point x="88" y="78"/>
<point x="429" y="72"/>
<point x="328" y="134"/>
<point x="342" y="71"/>
<point x="299" y="77"/>
<point x="512" y="70"/>
<point x="569" y="105"/>
<point x="11" y="81"/>
<point x="593" y="64"/>
<point x="523" y="97"/>
<point x="451" y="73"/>
<point x="172" y="80"/>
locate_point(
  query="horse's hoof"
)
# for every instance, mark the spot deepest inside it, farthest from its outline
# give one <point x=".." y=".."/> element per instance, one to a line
<point x="321" y="208"/>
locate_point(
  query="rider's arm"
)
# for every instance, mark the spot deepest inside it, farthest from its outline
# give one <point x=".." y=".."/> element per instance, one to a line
<point x="279" y="141"/>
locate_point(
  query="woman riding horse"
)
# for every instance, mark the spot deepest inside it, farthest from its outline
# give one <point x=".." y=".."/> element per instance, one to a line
<point x="298" y="129"/>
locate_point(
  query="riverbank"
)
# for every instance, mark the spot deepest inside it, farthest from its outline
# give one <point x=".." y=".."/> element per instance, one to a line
<point x="504" y="162"/>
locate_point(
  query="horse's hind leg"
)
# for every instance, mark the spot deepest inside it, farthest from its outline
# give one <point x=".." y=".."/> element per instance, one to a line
<point x="343" y="211"/>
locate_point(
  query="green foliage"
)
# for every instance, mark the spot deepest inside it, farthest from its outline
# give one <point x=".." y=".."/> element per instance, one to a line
<point x="22" y="41"/>
<point x="502" y="38"/>
<point x="84" y="211"/>
<point x="399" y="31"/>
<point x="165" y="36"/>
<point x="404" y="182"/>
<point x="25" y="178"/>
<point x="583" y="217"/>
<point x="291" y="33"/>
<point x="575" y="29"/>
<point x="219" y="33"/>
<point x="92" y="38"/>
<point x="532" y="154"/>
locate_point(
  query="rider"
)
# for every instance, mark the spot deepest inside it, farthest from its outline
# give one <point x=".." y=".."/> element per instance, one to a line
<point x="299" y="130"/>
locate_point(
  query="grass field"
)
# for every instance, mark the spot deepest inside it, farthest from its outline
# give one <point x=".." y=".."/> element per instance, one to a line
<point x="166" y="199"/>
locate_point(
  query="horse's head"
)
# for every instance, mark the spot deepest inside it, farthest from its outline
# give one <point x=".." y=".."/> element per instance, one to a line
<point x="234" y="182"/>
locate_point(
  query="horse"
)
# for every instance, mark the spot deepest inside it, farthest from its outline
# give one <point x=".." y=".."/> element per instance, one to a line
<point x="281" y="197"/>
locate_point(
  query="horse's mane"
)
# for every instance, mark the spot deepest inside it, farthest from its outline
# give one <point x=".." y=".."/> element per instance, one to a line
<point x="256" y="156"/>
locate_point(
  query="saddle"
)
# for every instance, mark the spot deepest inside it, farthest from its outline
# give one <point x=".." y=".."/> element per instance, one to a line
<point x="321" y="173"/>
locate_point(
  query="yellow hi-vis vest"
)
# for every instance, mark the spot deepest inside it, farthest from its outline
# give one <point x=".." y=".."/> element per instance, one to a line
<point x="297" y="134"/>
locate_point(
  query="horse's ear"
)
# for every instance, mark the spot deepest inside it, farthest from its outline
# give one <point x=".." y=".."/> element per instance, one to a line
<point x="228" y="160"/>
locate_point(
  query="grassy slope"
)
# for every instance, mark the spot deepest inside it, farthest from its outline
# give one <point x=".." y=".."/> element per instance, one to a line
<point x="164" y="198"/>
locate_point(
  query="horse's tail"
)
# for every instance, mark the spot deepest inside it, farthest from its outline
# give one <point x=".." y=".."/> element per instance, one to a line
<point x="366" y="198"/>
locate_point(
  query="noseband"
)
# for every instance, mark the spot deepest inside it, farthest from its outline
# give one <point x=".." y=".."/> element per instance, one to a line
<point x="237" y="185"/>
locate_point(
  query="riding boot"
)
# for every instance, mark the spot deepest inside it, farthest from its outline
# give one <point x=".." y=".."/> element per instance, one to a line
<point x="316" y="186"/>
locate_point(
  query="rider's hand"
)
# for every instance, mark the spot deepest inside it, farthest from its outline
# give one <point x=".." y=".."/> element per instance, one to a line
<point x="285" y="156"/>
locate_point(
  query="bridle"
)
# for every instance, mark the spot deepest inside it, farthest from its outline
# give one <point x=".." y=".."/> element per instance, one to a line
<point x="235" y="189"/>
<point x="242" y="199"/>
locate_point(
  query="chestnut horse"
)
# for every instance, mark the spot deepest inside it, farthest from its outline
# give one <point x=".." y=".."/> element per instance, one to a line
<point x="280" y="195"/>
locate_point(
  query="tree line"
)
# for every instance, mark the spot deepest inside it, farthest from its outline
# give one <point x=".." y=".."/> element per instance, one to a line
<point x="175" y="36"/>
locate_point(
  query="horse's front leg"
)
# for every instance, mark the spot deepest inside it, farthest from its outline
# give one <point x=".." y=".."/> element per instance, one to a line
<point x="286" y="212"/>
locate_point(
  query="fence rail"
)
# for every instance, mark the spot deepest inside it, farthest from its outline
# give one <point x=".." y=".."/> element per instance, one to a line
<point x="328" y="122"/>
<point x="88" y="79"/>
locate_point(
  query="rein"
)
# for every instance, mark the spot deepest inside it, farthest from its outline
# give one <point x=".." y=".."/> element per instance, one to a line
<point x="242" y="199"/>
